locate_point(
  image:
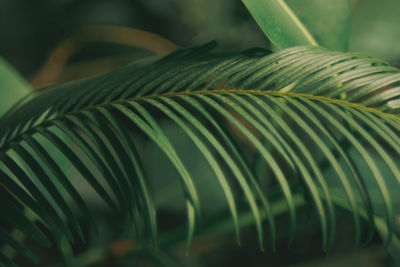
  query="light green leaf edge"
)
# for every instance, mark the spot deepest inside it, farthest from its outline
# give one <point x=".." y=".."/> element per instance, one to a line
<point x="275" y="17"/>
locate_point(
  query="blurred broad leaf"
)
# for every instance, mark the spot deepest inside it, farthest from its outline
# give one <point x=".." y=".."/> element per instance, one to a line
<point x="309" y="22"/>
<point x="13" y="86"/>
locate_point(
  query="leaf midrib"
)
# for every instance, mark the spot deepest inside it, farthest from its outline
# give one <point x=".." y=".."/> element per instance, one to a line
<point x="267" y="92"/>
<point x="205" y="92"/>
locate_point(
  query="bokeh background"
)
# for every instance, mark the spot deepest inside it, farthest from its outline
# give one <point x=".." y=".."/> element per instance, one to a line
<point x="31" y="29"/>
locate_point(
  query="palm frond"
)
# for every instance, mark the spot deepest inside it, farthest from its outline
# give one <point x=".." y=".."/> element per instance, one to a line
<point x="303" y="110"/>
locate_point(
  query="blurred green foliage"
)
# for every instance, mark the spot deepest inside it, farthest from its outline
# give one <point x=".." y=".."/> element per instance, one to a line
<point x="376" y="28"/>
<point x="30" y="29"/>
<point x="13" y="86"/>
<point x="310" y="22"/>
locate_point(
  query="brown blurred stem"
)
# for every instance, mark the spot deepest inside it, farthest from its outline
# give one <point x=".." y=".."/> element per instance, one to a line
<point x="110" y="34"/>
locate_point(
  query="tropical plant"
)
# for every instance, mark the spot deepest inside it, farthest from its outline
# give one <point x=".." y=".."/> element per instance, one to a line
<point x="300" y="131"/>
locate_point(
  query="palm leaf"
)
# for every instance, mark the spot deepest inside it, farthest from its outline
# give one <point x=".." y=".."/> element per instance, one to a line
<point x="302" y="110"/>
